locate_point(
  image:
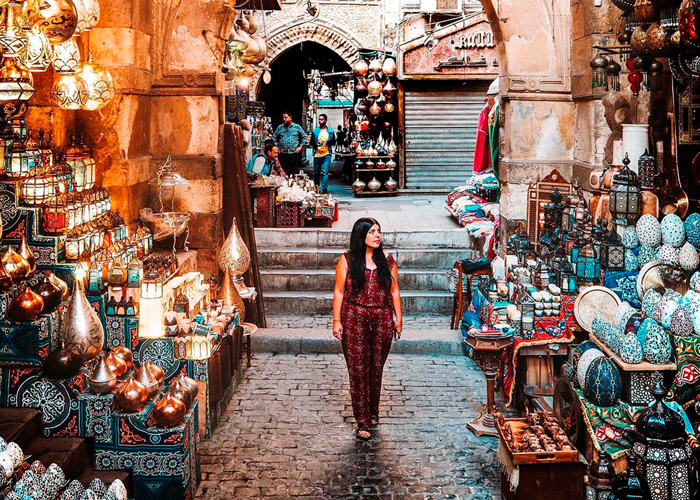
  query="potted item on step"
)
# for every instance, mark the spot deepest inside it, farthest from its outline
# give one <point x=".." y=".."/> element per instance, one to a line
<point x="391" y="184"/>
<point x="374" y="184"/>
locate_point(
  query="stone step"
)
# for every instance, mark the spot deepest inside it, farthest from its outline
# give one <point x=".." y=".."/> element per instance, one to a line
<point x="324" y="279"/>
<point x="420" y="321"/>
<point x="338" y="238"/>
<point x="321" y="341"/>
<point x="327" y="258"/>
<point x="312" y="302"/>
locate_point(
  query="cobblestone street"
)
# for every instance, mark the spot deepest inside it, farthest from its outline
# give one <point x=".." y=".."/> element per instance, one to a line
<point x="288" y="433"/>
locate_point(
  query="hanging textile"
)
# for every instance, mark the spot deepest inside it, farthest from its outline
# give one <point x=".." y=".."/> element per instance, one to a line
<point x="493" y="136"/>
<point x="482" y="151"/>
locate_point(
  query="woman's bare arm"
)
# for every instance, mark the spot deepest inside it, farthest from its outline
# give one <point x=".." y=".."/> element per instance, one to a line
<point x="396" y="297"/>
<point x="341" y="273"/>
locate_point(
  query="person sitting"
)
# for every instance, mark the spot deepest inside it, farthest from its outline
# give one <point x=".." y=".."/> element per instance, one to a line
<point x="267" y="163"/>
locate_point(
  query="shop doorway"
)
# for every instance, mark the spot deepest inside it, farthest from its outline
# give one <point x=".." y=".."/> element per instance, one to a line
<point x="289" y="89"/>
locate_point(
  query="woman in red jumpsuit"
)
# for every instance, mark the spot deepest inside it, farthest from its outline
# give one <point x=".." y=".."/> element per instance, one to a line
<point x="366" y="317"/>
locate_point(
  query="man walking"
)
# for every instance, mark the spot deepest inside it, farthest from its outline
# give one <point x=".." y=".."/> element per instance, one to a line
<point x="291" y="139"/>
<point x="321" y="139"/>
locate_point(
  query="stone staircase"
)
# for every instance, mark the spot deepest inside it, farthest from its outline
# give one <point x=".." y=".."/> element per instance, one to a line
<point x="297" y="268"/>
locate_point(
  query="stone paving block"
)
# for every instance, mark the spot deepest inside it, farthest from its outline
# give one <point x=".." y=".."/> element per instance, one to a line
<point x="288" y="433"/>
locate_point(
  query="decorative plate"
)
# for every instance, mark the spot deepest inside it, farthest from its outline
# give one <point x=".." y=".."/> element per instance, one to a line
<point x="595" y="300"/>
<point x="660" y="277"/>
<point x="249" y="328"/>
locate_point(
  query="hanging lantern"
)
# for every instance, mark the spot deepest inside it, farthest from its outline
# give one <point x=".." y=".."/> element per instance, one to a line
<point x="389" y="89"/>
<point x="389" y="66"/>
<point x="99" y="85"/>
<point x="82" y="15"/>
<point x="70" y="92"/>
<point x="16" y="82"/>
<point x="16" y="159"/>
<point x="13" y="40"/>
<point x="89" y="162"/>
<point x="599" y="478"/>
<point x="612" y="253"/>
<point x="598" y="66"/>
<point x="655" y="79"/>
<point x="57" y="19"/>
<point x="647" y="170"/>
<point x="45" y="150"/>
<point x="361" y="68"/>
<point x="375" y="65"/>
<point x="645" y="11"/>
<point x="588" y="266"/>
<point x="374" y="88"/>
<point x="92" y="7"/>
<point x="664" y="457"/>
<point x="66" y="57"/>
<point x="375" y="109"/>
<point x="37" y="57"/>
<point x="624" y="195"/>
<point x="612" y="72"/>
<point x="389" y="107"/>
<point x="39" y="189"/>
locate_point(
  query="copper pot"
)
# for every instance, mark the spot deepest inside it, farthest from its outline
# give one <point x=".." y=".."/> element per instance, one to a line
<point x="27" y="306"/>
<point x="16" y="266"/>
<point x="62" y="363"/>
<point x="118" y="366"/>
<point x="185" y="389"/>
<point x="5" y="280"/>
<point x="169" y="411"/>
<point x="156" y="371"/>
<point x="50" y="293"/>
<point x="102" y="379"/>
<point x="125" y="354"/>
<point x="146" y="378"/>
<point x="131" y="395"/>
<point x="62" y="285"/>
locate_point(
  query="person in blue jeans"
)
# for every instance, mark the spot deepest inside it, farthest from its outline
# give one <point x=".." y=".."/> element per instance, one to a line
<point x="321" y="140"/>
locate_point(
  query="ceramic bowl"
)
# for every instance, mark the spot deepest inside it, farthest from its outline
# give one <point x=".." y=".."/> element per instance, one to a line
<point x="646" y="254"/>
<point x="598" y="324"/>
<point x="584" y="346"/>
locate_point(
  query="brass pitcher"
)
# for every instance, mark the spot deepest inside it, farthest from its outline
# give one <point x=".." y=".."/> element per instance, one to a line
<point x="102" y="379"/>
<point x="82" y="327"/>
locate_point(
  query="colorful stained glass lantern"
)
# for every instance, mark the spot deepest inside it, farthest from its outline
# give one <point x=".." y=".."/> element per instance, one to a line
<point x="54" y="216"/>
<point x="588" y="266"/>
<point x="39" y="189"/>
<point x="17" y="159"/>
<point x="625" y="196"/>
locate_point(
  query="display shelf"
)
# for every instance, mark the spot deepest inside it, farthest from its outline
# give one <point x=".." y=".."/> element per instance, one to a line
<point x="375" y="193"/>
<point x="375" y="170"/>
<point x="374" y="157"/>
<point x="644" y="366"/>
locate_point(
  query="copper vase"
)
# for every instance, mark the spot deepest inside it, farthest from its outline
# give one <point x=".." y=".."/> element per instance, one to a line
<point x="116" y="364"/>
<point x="26" y="306"/>
<point x="81" y="326"/>
<point x="131" y="396"/>
<point x="16" y="266"/>
<point x="50" y="293"/>
<point x="125" y="354"/>
<point x="65" y="291"/>
<point x="62" y="363"/>
<point x="229" y="295"/>
<point x="156" y="371"/>
<point x="185" y="389"/>
<point x="146" y="378"/>
<point x="169" y="411"/>
<point x="28" y="255"/>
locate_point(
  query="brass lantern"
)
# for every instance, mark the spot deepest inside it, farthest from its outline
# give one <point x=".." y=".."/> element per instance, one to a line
<point x="542" y="276"/>
<point x="664" y="457"/>
<point x="39" y="189"/>
<point x="99" y="84"/>
<point x="16" y="82"/>
<point x="89" y="162"/>
<point x="66" y="57"/>
<point x="74" y="156"/>
<point x="235" y="257"/>
<point x="70" y="92"/>
<point x="37" y="57"/>
<point x="625" y="195"/>
<point x="151" y="287"/>
<point x="16" y="159"/>
<point x="612" y="253"/>
<point x="647" y="170"/>
<point x="13" y="39"/>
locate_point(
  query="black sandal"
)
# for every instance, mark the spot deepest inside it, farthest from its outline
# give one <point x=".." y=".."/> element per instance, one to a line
<point x="363" y="438"/>
<point x="375" y="420"/>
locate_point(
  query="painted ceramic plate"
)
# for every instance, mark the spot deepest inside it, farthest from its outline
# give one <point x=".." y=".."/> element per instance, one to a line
<point x="249" y="328"/>
<point x="661" y="277"/>
<point x="592" y="301"/>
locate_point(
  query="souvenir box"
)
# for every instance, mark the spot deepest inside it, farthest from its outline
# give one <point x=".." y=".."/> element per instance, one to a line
<point x="27" y="344"/>
<point x="288" y="214"/>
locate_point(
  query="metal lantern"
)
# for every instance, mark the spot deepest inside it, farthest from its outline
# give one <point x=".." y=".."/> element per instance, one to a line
<point x="664" y="457"/>
<point x="598" y="235"/>
<point x="553" y="212"/>
<point x="70" y="92"/>
<point x="561" y="267"/>
<point x="567" y="216"/>
<point x="54" y="216"/>
<point x="526" y="306"/>
<point x="542" y="276"/>
<point x="599" y="478"/>
<point x="16" y="82"/>
<point x="598" y="65"/>
<point x="625" y="195"/>
<point x="151" y="288"/>
<point x="16" y="159"/>
<point x="73" y="246"/>
<point x="89" y="162"/>
<point x="577" y="246"/>
<point x="647" y="170"/>
<point x="66" y="57"/>
<point x="588" y="266"/>
<point x="74" y="156"/>
<point x="96" y="285"/>
<point x="38" y="190"/>
<point x="580" y="211"/>
<point x="612" y="253"/>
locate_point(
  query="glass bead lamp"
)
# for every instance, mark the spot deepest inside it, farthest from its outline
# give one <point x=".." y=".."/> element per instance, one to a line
<point x="647" y="170"/>
<point x="625" y="195"/>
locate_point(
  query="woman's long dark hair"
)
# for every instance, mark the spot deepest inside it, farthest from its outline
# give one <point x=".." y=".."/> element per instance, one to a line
<point x="358" y="250"/>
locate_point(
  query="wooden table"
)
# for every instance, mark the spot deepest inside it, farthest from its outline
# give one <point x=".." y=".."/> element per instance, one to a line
<point x="487" y="349"/>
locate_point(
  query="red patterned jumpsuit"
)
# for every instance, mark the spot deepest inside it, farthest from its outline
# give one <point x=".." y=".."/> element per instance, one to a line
<point x="368" y="329"/>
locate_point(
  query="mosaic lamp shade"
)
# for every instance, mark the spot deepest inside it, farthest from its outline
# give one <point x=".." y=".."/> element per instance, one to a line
<point x="625" y="195"/>
<point x="100" y="85"/>
<point x="612" y="253"/>
<point x="70" y="92"/>
<point x="66" y="57"/>
<point x="647" y="170"/>
<point x="664" y="457"/>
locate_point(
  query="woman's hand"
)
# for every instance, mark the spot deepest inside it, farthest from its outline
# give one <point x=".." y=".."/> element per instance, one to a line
<point x="337" y="329"/>
<point x="399" y="325"/>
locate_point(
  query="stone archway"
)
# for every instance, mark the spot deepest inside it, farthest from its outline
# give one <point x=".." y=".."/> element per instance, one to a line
<point x="319" y="31"/>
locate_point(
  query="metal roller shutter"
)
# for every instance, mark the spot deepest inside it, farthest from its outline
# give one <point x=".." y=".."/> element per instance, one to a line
<point x="440" y="134"/>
